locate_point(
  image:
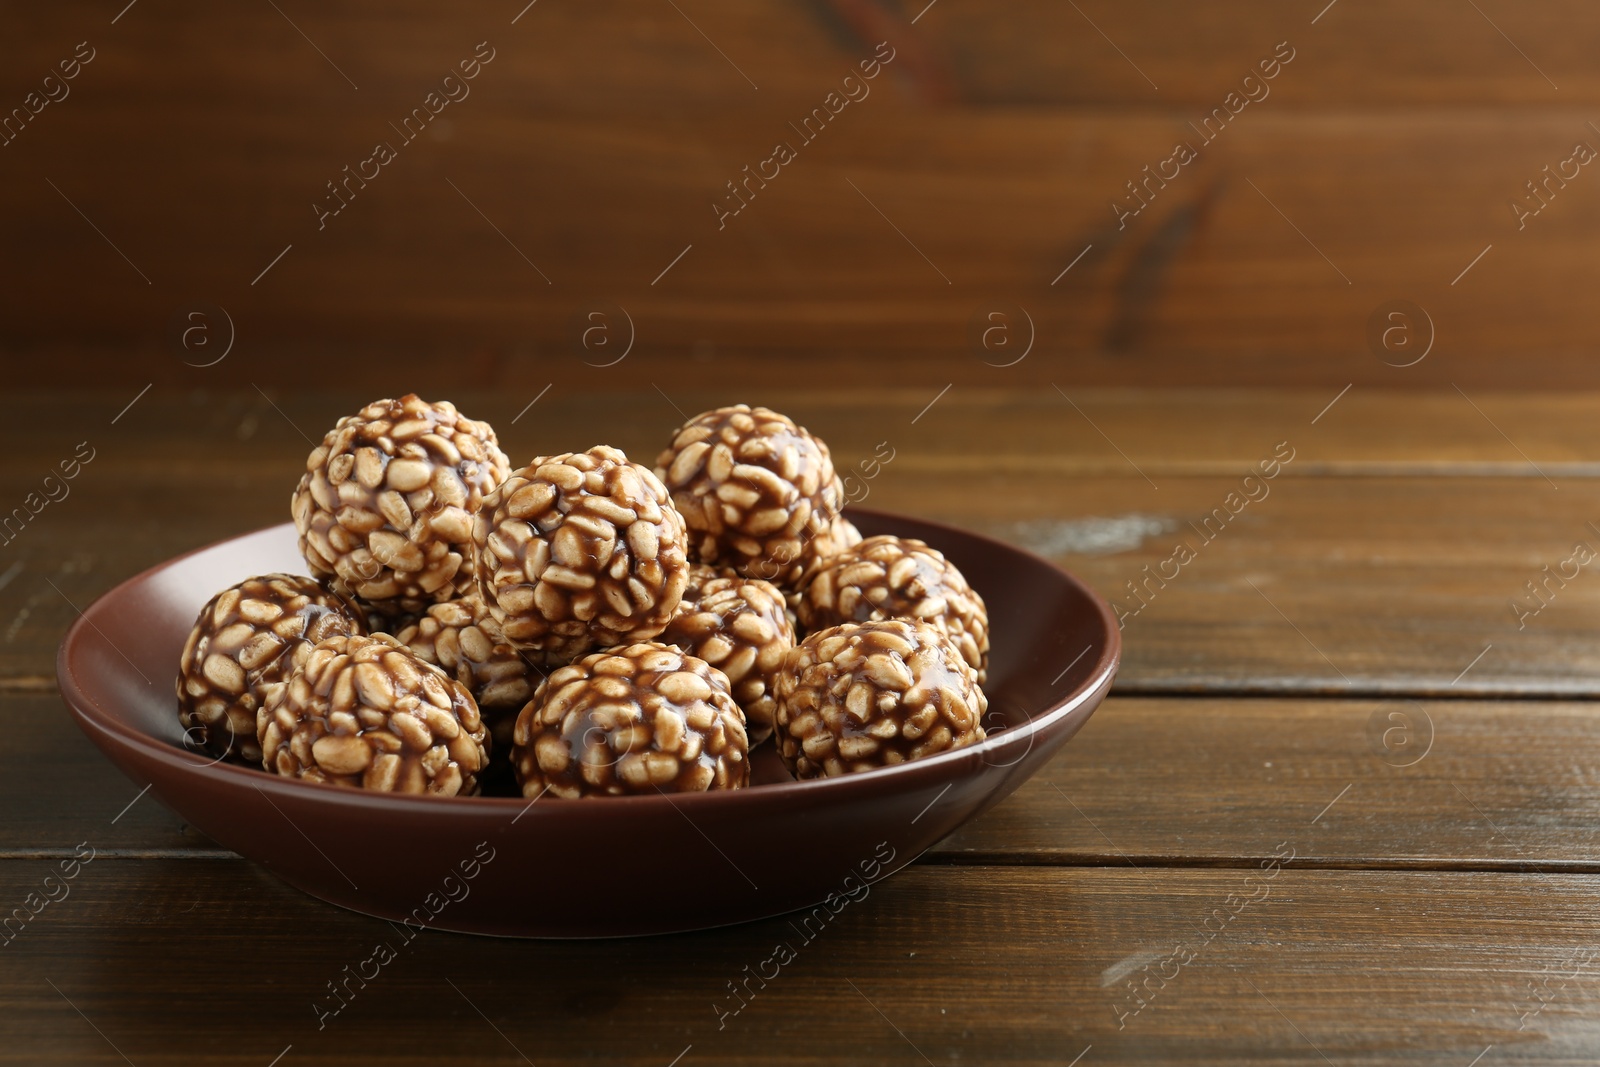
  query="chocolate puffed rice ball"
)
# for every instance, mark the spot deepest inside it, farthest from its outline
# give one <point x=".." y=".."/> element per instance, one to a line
<point x="368" y="713"/>
<point x="385" y="507"/>
<point x="756" y="491"/>
<point x="866" y="695"/>
<point x="840" y="535"/>
<point x="462" y="637"/>
<point x="741" y="627"/>
<point x="639" y="719"/>
<point x="244" y="643"/>
<point x="579" y="551"/>
<point x="898" y="577"/>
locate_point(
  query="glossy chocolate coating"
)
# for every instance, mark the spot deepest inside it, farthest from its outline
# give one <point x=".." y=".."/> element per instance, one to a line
<point x="638" y="719"/>
<point x="889" y="577"/>
<point x="385" y="507"/>
<point x="756" y="491"/>
<point x="580" y="551"/>
<point x="368" y="713"/>
<point x="244" y="643"/>
<point x="865" y="695"/>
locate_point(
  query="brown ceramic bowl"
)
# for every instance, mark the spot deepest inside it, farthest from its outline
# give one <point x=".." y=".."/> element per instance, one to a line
<point x="603" y="866"/>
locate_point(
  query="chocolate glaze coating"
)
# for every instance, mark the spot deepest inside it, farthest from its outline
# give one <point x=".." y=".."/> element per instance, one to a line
<point x="368" y="713"/>
<point x="385" y="507"/>
<point x="889" y="577"/>
<point x="244" y="643"/>
<point x="637" y="719"/>
<point x="579" y="551"/>
<point x="865" y="695"/>
<point x="740" y="626"/>
<point x="755" y="490"/>
<point x="462" y="637"/>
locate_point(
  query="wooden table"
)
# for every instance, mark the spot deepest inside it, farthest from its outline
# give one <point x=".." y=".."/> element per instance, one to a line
<point x="189" y="168"/>
<point x="1340" y="808"/>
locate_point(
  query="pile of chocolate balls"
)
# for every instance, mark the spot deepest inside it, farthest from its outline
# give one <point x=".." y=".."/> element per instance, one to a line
<point x="583" y="626"/>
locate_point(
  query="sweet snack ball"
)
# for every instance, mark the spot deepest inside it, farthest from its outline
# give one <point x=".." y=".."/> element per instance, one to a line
<point x="873" y="694"/>
<point x="462" y="637"/>
<point x="641" y="718"/>
<point x="741" y="627"/>
<point x="840" y="535"/>
<point x="244" y="643"/>
<point x="756" y="491"/>
<point x="385" y="507"/>
<point x="368" y="713"/>
<point x="579" y="551"/>
<point x="898" y="577"/>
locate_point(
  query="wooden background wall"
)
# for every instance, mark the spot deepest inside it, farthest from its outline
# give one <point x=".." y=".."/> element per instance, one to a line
<point x="588" y="155"/>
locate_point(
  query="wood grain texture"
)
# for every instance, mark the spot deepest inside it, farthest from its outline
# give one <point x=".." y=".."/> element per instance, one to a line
<point x="64" y="792"/>
<point x="1149" y="782"/>
<point x="969" y="429"/>
<point x="1367" y="431"/>
<point x="1116" y="906"/>
<point x="1370" y="783"/>
<point x="592" y="149"/>
<point x="944" y="966"/>
<point x="1386" y="556"/>
<point x="1285" y="694"/>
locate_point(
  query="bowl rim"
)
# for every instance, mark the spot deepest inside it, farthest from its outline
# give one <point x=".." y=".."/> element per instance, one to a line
<point x="90" y="714"/>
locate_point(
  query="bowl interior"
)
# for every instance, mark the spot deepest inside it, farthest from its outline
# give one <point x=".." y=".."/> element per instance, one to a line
<point x="1049" y="636"/>
<point x="716" y="858"/>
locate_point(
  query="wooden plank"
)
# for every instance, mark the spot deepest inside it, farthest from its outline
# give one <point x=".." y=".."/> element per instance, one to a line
<point x="1000" y="206"/>
<point x="1366" y="431"/>
<point x="597" y="143"/>
<point x="627" y="56"/>
<point x="1338" y="586"/>
<point x="1341" y="586"/>
<point x="1366" y="783"/>
<point x="1349" y="582"/>
<point x="64" y="792"/>
<point x="1354" y="56"/>
<point x="1150" y="782"/>
<point x="1014" y="966"/>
